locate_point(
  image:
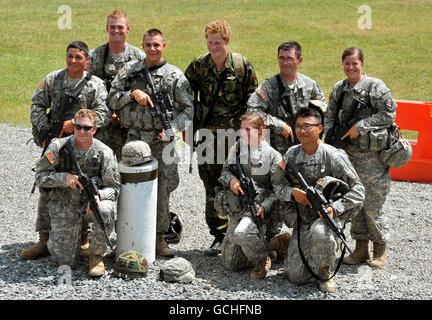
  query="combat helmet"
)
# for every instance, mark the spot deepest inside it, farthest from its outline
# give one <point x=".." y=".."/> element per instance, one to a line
<point x="131" y="265"/>
<point x="175" y="229"/>
<point x="397" y="155"/>
<point x="135" y="153"/>
<point x="332" y="188"/>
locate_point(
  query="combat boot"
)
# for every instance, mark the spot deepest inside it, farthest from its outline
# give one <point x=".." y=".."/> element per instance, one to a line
<point x="379" y="255"/>
<point x="96" y="266"/>
<point x="85" y="245"/>
<point x="326" y="285"/>
<point x="261" y="268"/>
<point x="361" y="253"/>
<point x="39" y="250"/>
<point x="279" y="244"/>
<point x="162" y="248"/>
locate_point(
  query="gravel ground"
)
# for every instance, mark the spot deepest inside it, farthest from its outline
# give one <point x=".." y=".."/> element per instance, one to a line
<point x="408" y="274"/>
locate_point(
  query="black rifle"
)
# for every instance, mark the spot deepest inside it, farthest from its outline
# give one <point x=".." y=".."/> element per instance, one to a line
<point x="319" y="204"/>
<point x="90" y="190"/>
<point x="161" y="104"/>
<point x="195" y="124"/>
<point x="250" y="189"/>
<point x="55" y="125"/>
<point x="287" y="105"/>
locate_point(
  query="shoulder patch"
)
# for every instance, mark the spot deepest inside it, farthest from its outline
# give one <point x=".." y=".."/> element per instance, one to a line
<point x="51" y="158"/>
<point x="89" y="68"/>
<point x="41" y="85"/>
<point x="262" y="93"/>
<point x="122" y="72"/>
<point x="282" y="165"/>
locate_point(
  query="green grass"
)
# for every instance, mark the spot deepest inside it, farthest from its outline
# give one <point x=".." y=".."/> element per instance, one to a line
<point x="397" y="48"/>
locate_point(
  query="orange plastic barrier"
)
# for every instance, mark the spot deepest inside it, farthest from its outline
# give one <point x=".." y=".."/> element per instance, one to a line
<point x="416" y="116"/>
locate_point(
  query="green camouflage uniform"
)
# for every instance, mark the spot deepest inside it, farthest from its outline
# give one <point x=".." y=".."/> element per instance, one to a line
<point x="238" y="83"/>
<point x="266" y="101"/>
<point x="242" y="245"/>
<point x="318" y="242"/>
<point x="105" y="65"/>
<point x="168" y="80"/>
<point x="47" y="96"/>
<point x="371" y="223"/>
<point x="67" y="208"/>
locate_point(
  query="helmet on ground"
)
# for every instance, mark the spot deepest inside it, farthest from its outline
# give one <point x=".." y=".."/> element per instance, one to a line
<point x="131" y="265"/>
<point x="332" y="188"/>
<point x="173" y="234"/>
<point x="135" y="153"/>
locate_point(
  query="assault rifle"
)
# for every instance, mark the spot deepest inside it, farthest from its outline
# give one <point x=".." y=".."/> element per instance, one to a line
<point x="161" y="104"/>
<point x="55" y="125"/>
<point x="319" y="204"/>
<point x="90" y="190"/>
<point x="195" y="124"/>
<point x="250" y="190"/>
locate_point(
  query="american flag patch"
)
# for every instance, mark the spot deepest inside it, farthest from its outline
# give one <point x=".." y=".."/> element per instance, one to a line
<point x="51" y="158"/>
<point x="122" y="72"/>
<point x="282" y="165"/>
<point x="261" y="92"/>
<point x="41" y="85"/>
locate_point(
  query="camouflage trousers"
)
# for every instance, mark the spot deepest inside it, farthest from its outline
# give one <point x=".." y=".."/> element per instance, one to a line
<point x="114" y="136"/>
<point x="43" y="220"/>
<point x="242" y="246"/>
<point x="371" y="222"/>
<point x="319" y="247"/>
<point x="168" y="177"/>
<point x="66" y="223"/>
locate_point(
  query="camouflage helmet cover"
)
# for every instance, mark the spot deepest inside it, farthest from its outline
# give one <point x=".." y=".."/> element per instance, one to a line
<point x="131" y="265"/>
<point x="135" y="153"/>
<point x="331" y="187"/>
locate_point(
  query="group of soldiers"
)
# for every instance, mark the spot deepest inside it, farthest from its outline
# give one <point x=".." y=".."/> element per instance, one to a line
<point x="108" y="96"/>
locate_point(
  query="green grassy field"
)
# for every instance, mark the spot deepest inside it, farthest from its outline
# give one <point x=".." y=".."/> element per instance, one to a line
<point x="397" y="47"/>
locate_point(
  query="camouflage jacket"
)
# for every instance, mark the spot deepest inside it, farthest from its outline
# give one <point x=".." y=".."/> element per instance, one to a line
<point x="326" y="161"/>
<point x="48" y="96"/>
<point x="238" y="83"/>
<point x="259" y="164"/>
<point x="108" y="70"/>
<point x="266" y="99"/>
<point x="373" y="93"/>
<point x="97" y="162"/>
<point x="168" y="80"/>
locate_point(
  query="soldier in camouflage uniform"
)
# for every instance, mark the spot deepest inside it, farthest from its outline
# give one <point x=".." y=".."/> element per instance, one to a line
<point x="222" y="82"/>
<point x="130" y="97"/>
<point x="314" y="160"/>
<point x="89" y="91"/>
<point x="243" y="244"/>
<point x="105" y="62"/>
<point x="377" y="111"/>
<point x="279" y="98"/>
<point x="56" y="172"/>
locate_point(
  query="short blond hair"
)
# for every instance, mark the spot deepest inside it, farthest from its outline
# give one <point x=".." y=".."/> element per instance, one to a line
<point x="254" y="118"/>
<point x="117" y="14"/>
<point x="86" y="113"/>
<point x="218" y="26"/>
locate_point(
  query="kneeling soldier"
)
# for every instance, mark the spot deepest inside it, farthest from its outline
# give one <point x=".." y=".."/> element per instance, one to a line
<point x="56" y="172"/>
<point x="251" y="210"/>
<point x="314" y="160"/>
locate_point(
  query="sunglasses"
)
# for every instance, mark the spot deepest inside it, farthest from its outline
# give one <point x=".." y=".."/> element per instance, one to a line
<point x="86" y="128"/>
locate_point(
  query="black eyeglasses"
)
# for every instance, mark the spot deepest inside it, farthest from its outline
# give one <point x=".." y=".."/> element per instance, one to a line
<point x="306" y="126"/>
<point x="86" y="128"/>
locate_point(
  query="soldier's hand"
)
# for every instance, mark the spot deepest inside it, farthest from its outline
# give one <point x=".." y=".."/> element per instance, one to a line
<point x="235" y="186"/>
<point x="353" y="133"/>
<point x="90" y="211"/>
<point x="73" y="182"/>
<point x="330" y="212"/>
<point x="141" y="97"/>
<point x="163" y="137"/>
<point x="68" y="127"/>
<point x="287" y="132"/>
<point x="301" y="198"/>
<point x="261" y="212"/>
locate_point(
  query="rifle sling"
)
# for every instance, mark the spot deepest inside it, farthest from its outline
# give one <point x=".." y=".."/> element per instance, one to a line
<point x="303" y="257"/>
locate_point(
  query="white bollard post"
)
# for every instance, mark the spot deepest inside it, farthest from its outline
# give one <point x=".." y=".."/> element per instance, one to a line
<point x="136" y="218"/>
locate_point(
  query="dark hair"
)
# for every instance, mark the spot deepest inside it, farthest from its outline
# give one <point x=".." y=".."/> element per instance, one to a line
<point x="288" y="45"/>
<point x="152" y="33"/>
<point x="78" y="45"/>
<point x="353" y="51"/>
<point x="311" y="111"/>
